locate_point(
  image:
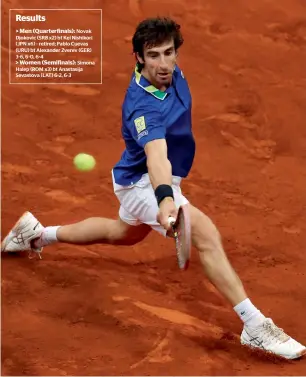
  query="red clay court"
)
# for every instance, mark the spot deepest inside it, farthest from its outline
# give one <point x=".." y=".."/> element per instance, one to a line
<point x="102" y="310"/>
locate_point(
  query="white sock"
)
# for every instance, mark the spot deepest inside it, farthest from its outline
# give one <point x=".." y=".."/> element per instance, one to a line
<point x="48" y="236"/>
<point x="248" y="313"/>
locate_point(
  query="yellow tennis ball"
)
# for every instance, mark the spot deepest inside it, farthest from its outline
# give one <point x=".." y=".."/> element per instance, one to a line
<point x="84" y="162"/>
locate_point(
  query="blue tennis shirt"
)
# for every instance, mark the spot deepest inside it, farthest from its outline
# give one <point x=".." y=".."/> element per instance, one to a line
<point x="149" y="114"/>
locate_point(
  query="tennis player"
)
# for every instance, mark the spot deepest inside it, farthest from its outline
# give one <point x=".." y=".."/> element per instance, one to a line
<point x="159" y="153"/>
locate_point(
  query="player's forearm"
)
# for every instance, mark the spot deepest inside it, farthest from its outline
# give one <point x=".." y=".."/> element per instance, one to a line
<point x="160" y="170"/>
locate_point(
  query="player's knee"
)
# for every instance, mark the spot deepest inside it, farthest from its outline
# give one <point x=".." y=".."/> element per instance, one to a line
<point x="205" y="235"/>
<point x="126" y="241"/>
<point x="121" y="237"/>
<point x="127" y="235"/>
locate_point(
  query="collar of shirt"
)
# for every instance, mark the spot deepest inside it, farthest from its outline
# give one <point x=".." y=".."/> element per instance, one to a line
<point x="148" y="87"/>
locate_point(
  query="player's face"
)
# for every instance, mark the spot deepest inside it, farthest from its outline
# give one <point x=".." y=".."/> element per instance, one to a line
<point x="159" y="63"/>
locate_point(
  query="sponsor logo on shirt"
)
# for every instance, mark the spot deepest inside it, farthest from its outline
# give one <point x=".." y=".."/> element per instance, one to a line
<point x="140" y="124"/>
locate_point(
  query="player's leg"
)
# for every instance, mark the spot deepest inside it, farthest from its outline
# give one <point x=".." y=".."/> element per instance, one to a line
<point x="101" y="230"/>
<point x="258" y="331"/>
<point x="29" y="234"/>
<point x="206" y="238"/>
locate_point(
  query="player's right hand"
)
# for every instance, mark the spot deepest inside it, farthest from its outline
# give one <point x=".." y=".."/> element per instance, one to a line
<point x="167" y="209"/>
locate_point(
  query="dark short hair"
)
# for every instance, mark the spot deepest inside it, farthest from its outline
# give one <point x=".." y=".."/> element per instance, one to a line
<point x="155" y="31"/>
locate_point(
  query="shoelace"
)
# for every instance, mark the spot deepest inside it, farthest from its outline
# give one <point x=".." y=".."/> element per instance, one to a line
<point x="269" y="332"/>
<point x="34" y="255"/>
<point x="276" y="332"/>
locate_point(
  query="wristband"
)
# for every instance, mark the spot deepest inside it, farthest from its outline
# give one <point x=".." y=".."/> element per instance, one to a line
<point x="162" y="192"/>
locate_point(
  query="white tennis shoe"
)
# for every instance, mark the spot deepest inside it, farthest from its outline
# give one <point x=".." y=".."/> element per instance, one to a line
<point x="272" y="339"/>
<point x="22" y="234"/>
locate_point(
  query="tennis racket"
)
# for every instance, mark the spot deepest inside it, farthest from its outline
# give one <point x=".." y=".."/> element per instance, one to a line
<point x="182" y="234"/>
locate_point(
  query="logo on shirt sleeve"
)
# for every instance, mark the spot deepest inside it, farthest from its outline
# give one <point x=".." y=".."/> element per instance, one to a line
<point x="140" y="124"/>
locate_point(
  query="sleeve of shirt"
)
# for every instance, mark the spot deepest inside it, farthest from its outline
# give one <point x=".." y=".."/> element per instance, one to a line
<point x="146" y="125"/>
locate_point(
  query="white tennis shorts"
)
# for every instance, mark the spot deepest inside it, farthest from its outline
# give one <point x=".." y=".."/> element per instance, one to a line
<point x="138" y="204"/>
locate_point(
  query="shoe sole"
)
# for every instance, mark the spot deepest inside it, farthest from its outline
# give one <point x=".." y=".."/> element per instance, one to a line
<point x="5" y="241"/>
<point x="291" y="357"/>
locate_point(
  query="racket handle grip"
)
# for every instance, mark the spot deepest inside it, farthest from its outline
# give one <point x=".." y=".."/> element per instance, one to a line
<point x="171" y="220"/>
